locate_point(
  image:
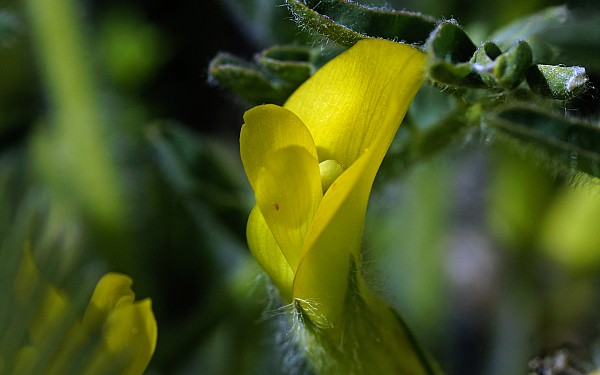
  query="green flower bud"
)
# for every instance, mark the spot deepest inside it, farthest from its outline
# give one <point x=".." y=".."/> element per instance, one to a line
<point x="557" y="82"/>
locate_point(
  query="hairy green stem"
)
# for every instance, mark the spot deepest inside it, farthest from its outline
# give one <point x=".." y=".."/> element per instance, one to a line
<point x="370" y="338"/>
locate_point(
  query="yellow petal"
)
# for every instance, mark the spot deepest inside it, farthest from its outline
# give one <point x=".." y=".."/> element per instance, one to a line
<point x="288" y="192"/>
<point x="268" y="128"/>
<point x="569" y="230"/>
<point x="129" y="328"/>
<point x="51" y="304"/>
<point x="335" y="234"/>
<point x="25" y="360"/>
<point x="131" y="331"/>
<point x="353" y="120"/>
<point x="361" y="93"/>
<point x="112" y="289"/>
<point x="265" y="250"/>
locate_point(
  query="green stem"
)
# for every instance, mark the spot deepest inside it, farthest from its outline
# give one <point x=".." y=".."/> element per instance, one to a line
<point x="370" y="338"/>
<point x="74" y="158"/>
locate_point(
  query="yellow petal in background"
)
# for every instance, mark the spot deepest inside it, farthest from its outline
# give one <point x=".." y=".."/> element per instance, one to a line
<point x="31" y="288"/>
<point x="130" y="331"/>
<point x="116" y="335"/>
<point x="129" y="328"/>
<point x="355" y="97"/>
<point x="288" y="192"/>
<point x="268" y="128"/>
<point x="570" y="230"/>
<point x="112" y="290"/>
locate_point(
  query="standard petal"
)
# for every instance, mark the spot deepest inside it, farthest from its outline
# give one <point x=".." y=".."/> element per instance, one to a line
<point x="358" y="95"/>
<point x="268" y="128"/>
<point x="265" y="250"/>
<point x="387" y="87"/>
<point x="288" y="193"/>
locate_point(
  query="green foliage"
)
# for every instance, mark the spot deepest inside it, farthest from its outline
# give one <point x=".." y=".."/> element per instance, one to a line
<point x="499" y="65"/>
<point x="133" y="48"/>
<point x="274" y="75"/>
<point x="566" y="144"/>
<point x="346" y="22"/>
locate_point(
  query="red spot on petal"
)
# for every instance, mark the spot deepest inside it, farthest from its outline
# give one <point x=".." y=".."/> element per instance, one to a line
<point x="276" y="206"/>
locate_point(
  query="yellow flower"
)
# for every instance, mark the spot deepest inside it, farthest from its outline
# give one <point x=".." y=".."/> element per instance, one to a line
<point x="116" y="335"/>
<point x="129" y="327"/>
<point x="312" y="162"/>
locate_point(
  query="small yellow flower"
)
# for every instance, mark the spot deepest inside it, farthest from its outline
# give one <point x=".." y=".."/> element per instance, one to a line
<point x="116" y="335"/>
<point x="312" y="162"/>
<point x="129" y="328"/>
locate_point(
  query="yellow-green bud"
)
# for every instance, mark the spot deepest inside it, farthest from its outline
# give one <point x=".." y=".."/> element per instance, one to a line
<point x="330" y="170"/>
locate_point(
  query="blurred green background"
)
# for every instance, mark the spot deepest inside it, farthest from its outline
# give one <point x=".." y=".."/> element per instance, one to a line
<point x="117" y="152"/>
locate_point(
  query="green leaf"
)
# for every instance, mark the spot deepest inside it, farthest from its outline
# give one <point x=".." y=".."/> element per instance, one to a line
<point x="276" y="73"/>
<point x="346" y="22"/>
<point x="510" y="67"/>
<point x="244" y="79"/>
<point x="288" y="63"/>
<point x="566" y="143"/>
<point x="449" y="42"/>
<point x="557" y="82"/>
<point x="450" y="50"/>
<point x="186" y="159"/>
<point x="462" y="75"/>
<point x="483" y="62"/>
<point x="530" y="27"/>
<point x="487" y="53"/>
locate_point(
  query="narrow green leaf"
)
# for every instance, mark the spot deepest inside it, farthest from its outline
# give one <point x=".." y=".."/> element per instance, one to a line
<point x="460" y="75"/>
<point x="530" y="27"/>
<point x="510" y="67"/>
<point x="244" y="79"/>
<point x="288" y="63"/>
<point x="346" y="22"/>
<point x="309" y="19"/>
<point x="449" y="42"/>
<point x="483" y="62"/>
<point x="567" y="143"/>
<point x="491" y="49"/>
<point x="185" y="159"/>
<point x="256" y="84"/>
<point x="88" y="174"/>
<point x="450" y="50"/>
<point x="273" y="75"/>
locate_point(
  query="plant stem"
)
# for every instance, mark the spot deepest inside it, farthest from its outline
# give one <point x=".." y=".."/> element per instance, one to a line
<point x="75" y="158"/>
